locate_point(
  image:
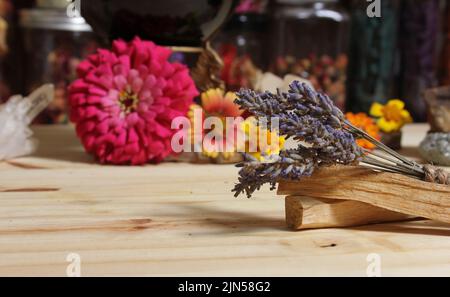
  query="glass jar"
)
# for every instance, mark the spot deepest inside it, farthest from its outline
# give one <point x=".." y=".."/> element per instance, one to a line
<point x="6" y="16"/>
<point x="54" y="45"/>
<point x="309" y="39"/>
<point x="373" y="46"/>
<point x="444" y="70"/>
<point x="419" y="31"/>
<point x="241" y="45"/>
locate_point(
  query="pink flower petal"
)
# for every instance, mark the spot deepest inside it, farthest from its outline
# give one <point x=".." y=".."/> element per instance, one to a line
<point x="120" y="82"/>
<point x="120" y="47"/>
<point x="132" y="119"/>
<point x="136" y="85"/>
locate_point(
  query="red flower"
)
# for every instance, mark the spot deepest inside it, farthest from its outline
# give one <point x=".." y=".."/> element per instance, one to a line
<point x="125" y="100"/>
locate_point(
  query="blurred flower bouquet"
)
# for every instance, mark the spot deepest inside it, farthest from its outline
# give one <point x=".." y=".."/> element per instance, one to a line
<point x="216" y="104"/>
<point x="384" y="123"/>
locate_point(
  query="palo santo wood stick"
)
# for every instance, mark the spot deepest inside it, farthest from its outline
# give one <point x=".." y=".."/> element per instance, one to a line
<point x="391" y="191"/>
<point x="309" y="213"/>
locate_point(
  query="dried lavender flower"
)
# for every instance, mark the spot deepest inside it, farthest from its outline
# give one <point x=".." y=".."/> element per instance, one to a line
<point x="306" y="116"/>
<point x="290" y="164"/>
<point x="326" y="137"/>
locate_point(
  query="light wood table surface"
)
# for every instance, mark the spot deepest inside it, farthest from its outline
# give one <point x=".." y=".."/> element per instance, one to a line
<point x="182" y="220"/>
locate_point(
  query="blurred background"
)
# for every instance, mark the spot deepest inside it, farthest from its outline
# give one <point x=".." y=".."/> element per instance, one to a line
<point x="334" y="44"/>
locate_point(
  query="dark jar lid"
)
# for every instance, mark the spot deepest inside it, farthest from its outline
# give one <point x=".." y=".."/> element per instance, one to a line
<point x="301" y="2"/>
<point x="247" y="22"/>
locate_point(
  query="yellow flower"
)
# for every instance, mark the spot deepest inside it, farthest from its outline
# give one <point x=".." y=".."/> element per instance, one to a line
<point x="214" y="154"/>
<point x="191" y="116"/>
<point x="264" y="149"/>
<point x="392" y="116"/>
<point x="210" y="154"/>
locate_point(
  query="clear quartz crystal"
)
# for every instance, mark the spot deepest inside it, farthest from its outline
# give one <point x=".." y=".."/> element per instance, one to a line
<point x="15" y="117"/>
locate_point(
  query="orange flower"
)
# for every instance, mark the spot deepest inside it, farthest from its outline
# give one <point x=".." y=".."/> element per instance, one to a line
<point x="367" y="124"/>
<point x="215" y="103"/>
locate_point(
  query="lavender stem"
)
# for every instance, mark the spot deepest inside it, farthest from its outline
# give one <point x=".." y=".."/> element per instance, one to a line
<point x="379" y="144"/>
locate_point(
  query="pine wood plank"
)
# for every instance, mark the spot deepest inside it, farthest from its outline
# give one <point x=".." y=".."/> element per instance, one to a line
<point x="394" y="192"/>
<point x="309" y="213"/>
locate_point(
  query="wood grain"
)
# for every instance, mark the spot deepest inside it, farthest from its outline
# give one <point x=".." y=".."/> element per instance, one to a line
<point x="386" y="190"/>
<point x="309" y="213"/>
<point x="182" y="220"/>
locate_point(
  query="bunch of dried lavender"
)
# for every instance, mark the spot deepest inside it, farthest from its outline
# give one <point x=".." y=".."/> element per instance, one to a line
<point x="325" y="138"/>
<point x="306" y="116"/>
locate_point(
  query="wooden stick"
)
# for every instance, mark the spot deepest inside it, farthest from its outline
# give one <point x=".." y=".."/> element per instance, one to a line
<point x="391" y="191"/>
<point x="309" y="213"/>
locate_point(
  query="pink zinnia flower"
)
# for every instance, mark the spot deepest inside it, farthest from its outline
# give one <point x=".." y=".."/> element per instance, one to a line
<point x="125" y="99"/>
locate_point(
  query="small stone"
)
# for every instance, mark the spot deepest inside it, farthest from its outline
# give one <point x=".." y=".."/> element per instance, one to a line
<point x="435" y="148"/>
